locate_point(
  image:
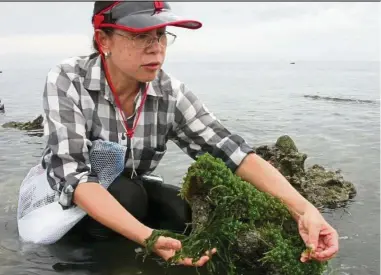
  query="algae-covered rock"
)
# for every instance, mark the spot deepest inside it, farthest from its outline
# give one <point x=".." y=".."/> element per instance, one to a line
<point x="286" y="144"/>
<point x="326" y="188"/>
<point x="35" y="126"/>
<point x="321" y="187"/>
<point x="250" y="229"/>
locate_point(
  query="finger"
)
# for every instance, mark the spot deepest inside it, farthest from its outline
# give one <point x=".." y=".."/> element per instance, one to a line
<point x="324" y="259"/>
<point x="304" y="257"/>
<point x="316" y="257"/>
<point x="186" y="262"/>
<point x="189" y="261"/>
<point x="319" y="249"/>
<point x="332" y="246"/>
<point x="329" y="252"/>
<point x="313" y="235"/>
<point x="331" y="239"/>
<point x="202" y="260"/>
<point x="307" y="255"/>
<point x="167" y="244"/>
<point x="326" y="230"/>
<point x="303" y="230"/>
<point x="321" y="245"/>
<point x="211" y="252"/>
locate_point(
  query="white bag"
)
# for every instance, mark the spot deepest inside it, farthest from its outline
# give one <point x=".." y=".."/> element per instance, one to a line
<point x="41" y="219"/>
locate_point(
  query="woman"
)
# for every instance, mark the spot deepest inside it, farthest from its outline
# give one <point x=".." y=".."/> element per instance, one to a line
<point x="121" y="95"/>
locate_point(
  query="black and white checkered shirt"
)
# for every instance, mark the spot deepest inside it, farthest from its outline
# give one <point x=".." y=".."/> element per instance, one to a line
<point x="80" y="108"/>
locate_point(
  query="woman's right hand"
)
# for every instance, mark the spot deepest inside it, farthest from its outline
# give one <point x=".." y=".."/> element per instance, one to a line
<point x="166" y="248"/>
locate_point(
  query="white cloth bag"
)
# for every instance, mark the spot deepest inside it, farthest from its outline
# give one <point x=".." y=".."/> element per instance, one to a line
<point x="49" y="222"/>
<point x="40" y="218"/>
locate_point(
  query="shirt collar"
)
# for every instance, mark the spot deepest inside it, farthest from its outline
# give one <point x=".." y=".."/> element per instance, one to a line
<point x="95" y="79"/>
<point x="154" y="88"/>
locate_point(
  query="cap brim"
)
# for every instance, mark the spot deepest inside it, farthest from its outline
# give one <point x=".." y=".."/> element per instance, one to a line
<point x="147" y="21"/>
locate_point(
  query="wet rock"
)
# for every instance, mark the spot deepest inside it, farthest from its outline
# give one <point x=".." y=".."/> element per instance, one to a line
<point x="286" y="144"/>
<point x="326" y="188"/>
<point x="200" y="211"/>
<point x="323" y="188"/>
<point x="35" y="124"/>
<point x="250" y="246"/>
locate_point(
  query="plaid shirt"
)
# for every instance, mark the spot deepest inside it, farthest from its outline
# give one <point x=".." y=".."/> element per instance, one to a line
<point x="80" y="108"/>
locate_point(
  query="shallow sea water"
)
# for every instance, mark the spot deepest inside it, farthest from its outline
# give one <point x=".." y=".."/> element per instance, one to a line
<point x="261" y="101"/>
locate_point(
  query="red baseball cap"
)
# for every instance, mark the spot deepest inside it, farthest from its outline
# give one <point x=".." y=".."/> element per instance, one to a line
<point x="138" y="16"/>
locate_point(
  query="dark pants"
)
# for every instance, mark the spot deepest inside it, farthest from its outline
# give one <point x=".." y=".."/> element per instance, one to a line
<point x="153" y="203"/>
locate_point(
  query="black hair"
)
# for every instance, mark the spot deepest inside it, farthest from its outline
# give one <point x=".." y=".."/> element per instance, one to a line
<point x="108" y="31"/>
<point x="98" y="7"/>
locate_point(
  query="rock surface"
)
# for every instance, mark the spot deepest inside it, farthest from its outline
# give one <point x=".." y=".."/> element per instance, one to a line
<point x="34" y="127"/>
<point x="35" y="124"/>
<point x="323" y="188"/>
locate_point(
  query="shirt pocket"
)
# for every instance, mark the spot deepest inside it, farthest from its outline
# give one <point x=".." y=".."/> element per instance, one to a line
<point x="154" y="154"/>
<point x="148" y="158"/>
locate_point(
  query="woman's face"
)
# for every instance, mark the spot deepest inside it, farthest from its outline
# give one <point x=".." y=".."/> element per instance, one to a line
<point x="138" y="55"/>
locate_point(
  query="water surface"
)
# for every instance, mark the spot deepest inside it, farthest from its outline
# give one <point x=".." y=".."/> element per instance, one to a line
<point x="261" y="101"/>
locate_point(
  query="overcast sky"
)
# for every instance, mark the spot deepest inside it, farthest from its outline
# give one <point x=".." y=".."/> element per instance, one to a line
<point x="243" y="31"/>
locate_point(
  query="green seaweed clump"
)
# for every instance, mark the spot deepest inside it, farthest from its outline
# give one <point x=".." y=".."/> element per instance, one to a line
<point x="250" y="229"/>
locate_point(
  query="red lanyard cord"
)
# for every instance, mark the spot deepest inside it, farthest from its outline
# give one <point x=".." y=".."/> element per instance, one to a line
<point x="130" y="132"/>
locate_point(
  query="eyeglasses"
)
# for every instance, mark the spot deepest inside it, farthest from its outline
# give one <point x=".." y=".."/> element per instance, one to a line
<point x="142" y="41"/>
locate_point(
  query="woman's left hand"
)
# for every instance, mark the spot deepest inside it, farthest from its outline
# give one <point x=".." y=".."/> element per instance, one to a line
<point x="318" y="235"/>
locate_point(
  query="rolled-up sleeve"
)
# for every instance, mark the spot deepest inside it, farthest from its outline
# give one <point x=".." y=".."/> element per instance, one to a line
<point x="198" y="131"/>
<point x="65" y="133"/>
